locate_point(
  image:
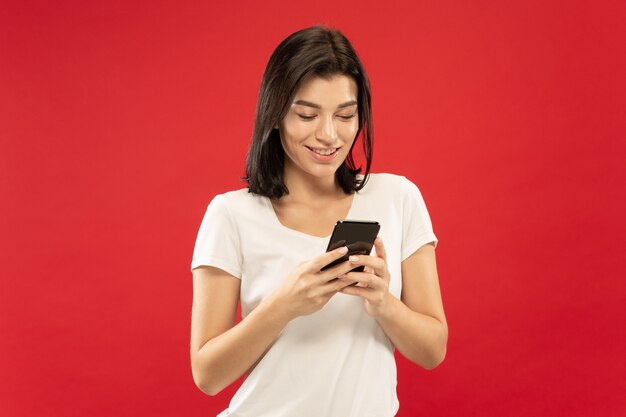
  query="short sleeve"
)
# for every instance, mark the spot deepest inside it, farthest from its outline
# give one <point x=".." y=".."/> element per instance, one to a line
<point x="417" y="229"/>
<point x="218" y="242"/>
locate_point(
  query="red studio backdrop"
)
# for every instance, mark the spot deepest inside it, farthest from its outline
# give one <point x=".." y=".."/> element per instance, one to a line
<point x="120" y="120"/>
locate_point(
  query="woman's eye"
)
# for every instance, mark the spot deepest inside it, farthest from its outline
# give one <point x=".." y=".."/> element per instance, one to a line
<point x="344" y="117"/>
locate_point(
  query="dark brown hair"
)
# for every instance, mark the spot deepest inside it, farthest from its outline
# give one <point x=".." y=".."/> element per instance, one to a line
<point x="315" y="51"/>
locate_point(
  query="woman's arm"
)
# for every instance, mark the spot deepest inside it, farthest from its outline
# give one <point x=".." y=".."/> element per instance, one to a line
<point x="221" y="352"/>
<point x="416" y="324"/>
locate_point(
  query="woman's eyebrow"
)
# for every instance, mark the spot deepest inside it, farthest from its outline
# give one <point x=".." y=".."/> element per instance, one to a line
<point x="317" y="106"/>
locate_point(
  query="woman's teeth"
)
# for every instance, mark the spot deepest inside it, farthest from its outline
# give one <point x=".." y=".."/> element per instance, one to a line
<point x="324" y="152"/>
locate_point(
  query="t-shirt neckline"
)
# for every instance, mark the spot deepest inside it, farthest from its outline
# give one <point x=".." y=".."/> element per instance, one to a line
<point x="276" y="220"/>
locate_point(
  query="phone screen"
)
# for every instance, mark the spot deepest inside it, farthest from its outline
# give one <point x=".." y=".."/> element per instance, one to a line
<point x="357" y="235"/>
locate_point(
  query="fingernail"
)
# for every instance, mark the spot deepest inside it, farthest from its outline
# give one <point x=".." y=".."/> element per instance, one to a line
<point x="354" y="258"/>
<point x="342" y="276"/>
<point x="343" y="250"/>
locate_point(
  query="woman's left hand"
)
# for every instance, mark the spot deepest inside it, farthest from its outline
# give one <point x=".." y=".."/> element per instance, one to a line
<point x="373" y="283"/>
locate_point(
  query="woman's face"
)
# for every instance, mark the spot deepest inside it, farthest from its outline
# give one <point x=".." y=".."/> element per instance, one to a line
<point x="321" y="125"/>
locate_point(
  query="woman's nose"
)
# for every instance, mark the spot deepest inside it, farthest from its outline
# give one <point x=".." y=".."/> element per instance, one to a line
<point x="326" y="130"/>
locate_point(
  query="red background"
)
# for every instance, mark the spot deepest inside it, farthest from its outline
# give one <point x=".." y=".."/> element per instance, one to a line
<point x="120" y="120"/>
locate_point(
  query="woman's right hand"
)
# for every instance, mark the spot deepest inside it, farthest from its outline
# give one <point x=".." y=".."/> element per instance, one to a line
<point x="307" y="289"/>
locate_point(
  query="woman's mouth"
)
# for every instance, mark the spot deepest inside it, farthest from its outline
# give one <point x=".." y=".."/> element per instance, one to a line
<point x="323" y="154"/>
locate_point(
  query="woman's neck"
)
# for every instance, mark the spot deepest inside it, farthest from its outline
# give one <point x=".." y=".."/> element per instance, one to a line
<point x="304" y="187"/>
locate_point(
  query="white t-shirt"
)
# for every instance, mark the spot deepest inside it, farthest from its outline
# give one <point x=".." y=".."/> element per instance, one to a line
<point x="336" y="362"/>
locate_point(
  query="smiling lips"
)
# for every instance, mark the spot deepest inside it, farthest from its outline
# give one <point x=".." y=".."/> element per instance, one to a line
<point x="323" y="154"/>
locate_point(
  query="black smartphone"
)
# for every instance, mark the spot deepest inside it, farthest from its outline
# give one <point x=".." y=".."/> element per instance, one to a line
<point x="357" y="235"/>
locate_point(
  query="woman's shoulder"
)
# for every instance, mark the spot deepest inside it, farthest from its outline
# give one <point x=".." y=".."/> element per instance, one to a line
<point x="236" y="199"/>
<point x="386" y="177"/>
<point x="385" y="182"/>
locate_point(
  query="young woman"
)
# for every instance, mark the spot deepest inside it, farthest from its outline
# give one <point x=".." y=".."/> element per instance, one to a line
<point x="311" y="343"/>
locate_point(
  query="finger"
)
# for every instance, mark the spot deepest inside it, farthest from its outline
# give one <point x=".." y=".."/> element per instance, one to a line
<point x="380" y="248"/>
<point x="336" y="271"/>
<point x="377" y="264"/>
<point x="335" y="285"/>
<point x="363" y="279"/>
<point x="362" y="292"/>
<point x="328" y="257"/>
